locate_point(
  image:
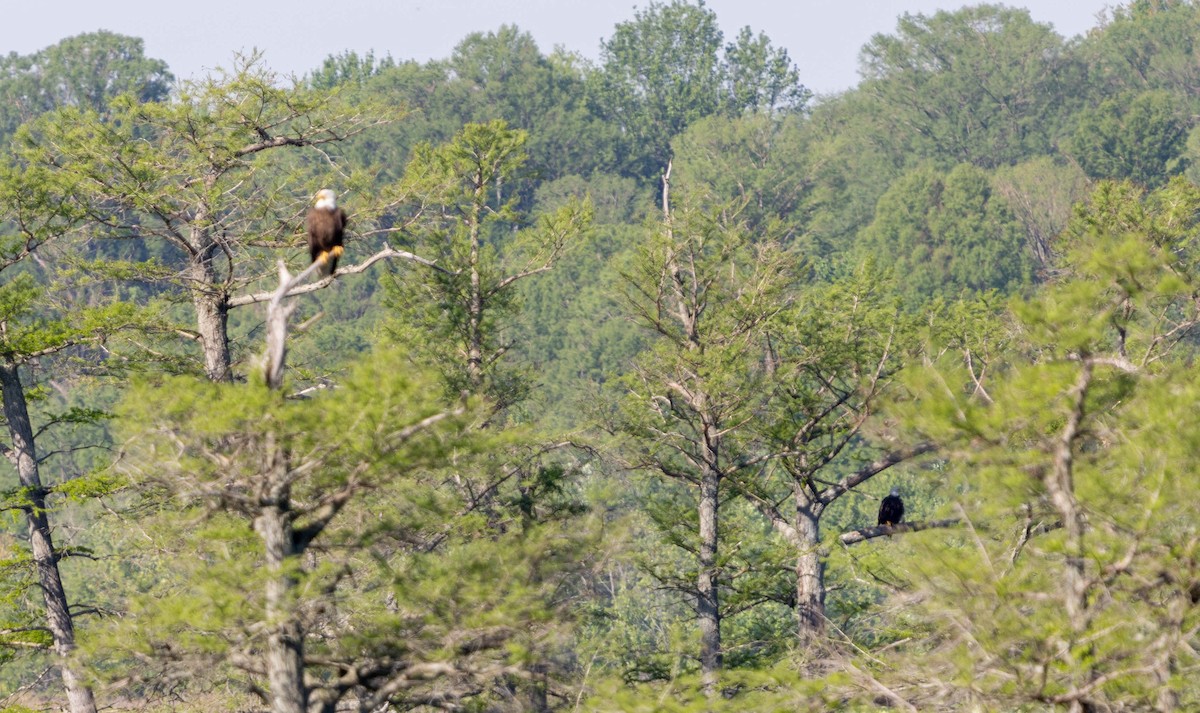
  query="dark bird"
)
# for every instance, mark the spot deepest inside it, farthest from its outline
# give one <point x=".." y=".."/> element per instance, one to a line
<point x="891" y="510"/>
<point x="326" y="223"/>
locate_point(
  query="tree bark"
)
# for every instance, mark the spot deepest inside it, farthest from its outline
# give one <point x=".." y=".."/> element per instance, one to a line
<point x="1061" y="490"/>
<point x="708" y="602"/>
<point x="212" y="322"/>
<point x="285" y="640"/>
<point x="212" y="316"/>
<point x="58" y="612"/>
<point x="1060" y="487"/>
<point x="810" y="571"/>
<point x="208" y="296"/>
<point x="475" y="299"/>
<point x="275" y="525"/>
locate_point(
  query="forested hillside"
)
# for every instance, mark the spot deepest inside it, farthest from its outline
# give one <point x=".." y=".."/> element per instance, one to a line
<point x="598" y="409"/>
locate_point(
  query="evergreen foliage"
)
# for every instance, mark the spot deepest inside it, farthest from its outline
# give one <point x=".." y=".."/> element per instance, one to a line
<point x="1072" y="458"/>
<point x="608" y="426"/>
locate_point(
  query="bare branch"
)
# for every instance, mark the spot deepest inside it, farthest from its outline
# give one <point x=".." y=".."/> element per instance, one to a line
<point x="332" y="504"/>
<point x="1117" y="362"/>
<point x="326" y="281"/>
<point x="519" y="276"/>
<point x="411" y="430"/>
<point x="277" y="316"/>
<point x="853" y="537"/>
<point x="872" y="469"/>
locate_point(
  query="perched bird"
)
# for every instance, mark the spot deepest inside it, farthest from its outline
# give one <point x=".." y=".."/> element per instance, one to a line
<point x="891" y="510"/>
<point x="326" y="224"/>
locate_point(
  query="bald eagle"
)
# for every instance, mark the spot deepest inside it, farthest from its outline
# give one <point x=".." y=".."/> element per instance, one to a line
<point x="891" y="510"/>
<point x="326" y="223"/>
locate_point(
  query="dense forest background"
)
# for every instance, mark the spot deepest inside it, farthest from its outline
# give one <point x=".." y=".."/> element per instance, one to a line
<point x="599" y="408"/>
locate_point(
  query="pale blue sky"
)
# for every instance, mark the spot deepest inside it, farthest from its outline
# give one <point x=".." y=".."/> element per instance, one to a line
<point x="823" y="37"/>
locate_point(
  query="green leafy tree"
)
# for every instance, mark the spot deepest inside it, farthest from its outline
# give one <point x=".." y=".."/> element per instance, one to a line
<point x="508" y="78"/>
<point x="204" y="178"/>
<point x="491" y="76"/>
<point x="464" y="219"/>
<point x="275" y="492"/>
<point x="751" y="407"/>
<point x="459" y="319"/>
<point x="286" y="488"/>
<point x="757" y="162"/>
<point x="658" y="74"/>
<point x="759" y="77"/>
<point x="666" y="68"/>
<point x="39" y="324"/>
<point x="349" y="68"/>
<point x="708" y="295"/>
<point x="571" y="331"/>
<point x="945" y="233"/>
<point x="86" y="71"/>
<point x="1141" y="138"/>
<point x="1143" y="45"/>
<point x="834" y="355"/>
<point x="981" y="85"/>
<point x="851" y="169"/>
<point x="1075" y="583"/>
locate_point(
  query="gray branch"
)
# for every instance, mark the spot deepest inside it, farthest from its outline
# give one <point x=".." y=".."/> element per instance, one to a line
<point x="296" y="289"/>
<point x="853" y="537"/>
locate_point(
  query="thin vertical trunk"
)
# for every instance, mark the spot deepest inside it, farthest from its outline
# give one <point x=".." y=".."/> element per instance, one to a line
<point x="58" y="613"/>
<point x="708" y="602"/>
<point x="1060" y="487"/>
<point x="810" y="575"/>
<point x="285" y="640"/>
<point x="1167" y="670"/>
<point x="475" y="299"/>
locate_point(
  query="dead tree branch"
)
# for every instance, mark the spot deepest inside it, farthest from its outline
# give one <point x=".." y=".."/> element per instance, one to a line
<point x="853" y="537"/>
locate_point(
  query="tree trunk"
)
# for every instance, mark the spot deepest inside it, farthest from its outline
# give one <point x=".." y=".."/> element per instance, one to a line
<point x="475" y="299"/>
<point x="58" y="612"/>
<point x="285" y="640"/>
<point x="212" y="322"/>
<point x="1061" y="491"/>
<point x="708" y="603"/>
<point x="1059" y="483"/>
<point x="211" y="303"/>
<point x="810" y="571"/>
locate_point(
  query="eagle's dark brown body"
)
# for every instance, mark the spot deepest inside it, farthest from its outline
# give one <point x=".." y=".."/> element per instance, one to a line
<point x="891" y="510"/>
<point x="325" y="230"/>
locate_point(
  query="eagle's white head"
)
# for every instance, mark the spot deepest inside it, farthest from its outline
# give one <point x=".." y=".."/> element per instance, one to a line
<point x="326" y="200"/>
